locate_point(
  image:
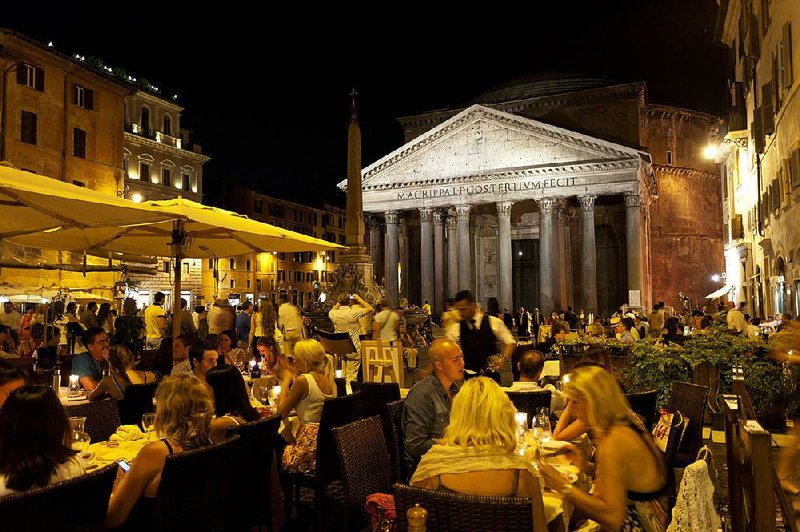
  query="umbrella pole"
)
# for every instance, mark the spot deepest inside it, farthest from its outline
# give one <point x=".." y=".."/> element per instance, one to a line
<point x="177" y="250"/>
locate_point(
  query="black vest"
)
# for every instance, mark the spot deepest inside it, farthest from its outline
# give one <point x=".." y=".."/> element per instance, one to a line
<point x="477" y="344"/>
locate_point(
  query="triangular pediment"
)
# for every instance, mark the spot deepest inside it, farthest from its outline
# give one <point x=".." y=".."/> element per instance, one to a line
<point x="481" y="140"/>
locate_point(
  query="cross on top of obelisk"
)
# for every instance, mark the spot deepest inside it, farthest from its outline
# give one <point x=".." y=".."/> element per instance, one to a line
<point x="353" y="94"/>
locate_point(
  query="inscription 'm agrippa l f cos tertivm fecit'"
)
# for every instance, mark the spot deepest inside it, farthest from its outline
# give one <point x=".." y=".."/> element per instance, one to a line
<point x="488" y="188"/>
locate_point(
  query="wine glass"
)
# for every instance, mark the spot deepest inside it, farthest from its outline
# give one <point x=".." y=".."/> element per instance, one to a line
<point x="541" y="428"/>
<point x="148" y="422"/>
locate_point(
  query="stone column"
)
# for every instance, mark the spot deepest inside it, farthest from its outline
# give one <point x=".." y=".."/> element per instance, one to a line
<point x="452" y="257"/>
<point x="464" y="253"/>
<point x="588" y="255"/>
<point x="404" y="254"/>
<point x="546" y="301"/>
<point x="374" y="224"/>
<point x="426" y="254"/>
<point x="633" y="222"/>
<point x="391" y="257"/>
<point x="559" y="259"/>
<point x="438" y="261"/>
<point x="504" y="252"/>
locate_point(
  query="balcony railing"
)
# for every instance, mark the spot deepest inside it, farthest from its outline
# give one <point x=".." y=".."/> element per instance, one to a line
<point x="157" y="136"/>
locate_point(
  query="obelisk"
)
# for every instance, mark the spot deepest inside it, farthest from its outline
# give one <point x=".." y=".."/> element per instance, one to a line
<point x="355" y="271"/>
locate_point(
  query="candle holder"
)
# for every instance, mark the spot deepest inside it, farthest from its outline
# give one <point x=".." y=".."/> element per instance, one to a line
<point x="74" y="386"/>
<point x="339" y="373"/>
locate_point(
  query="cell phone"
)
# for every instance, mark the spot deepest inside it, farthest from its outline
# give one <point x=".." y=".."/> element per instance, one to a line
<point x="125" y="466"/>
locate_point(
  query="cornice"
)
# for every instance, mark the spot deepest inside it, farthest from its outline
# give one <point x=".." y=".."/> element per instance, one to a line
<point x="684" y="172"/>
<point x="160" y="146"/>
<point x="478" y="111"/>
<point x="659" y="111"/>
<point x="605" y="166"/>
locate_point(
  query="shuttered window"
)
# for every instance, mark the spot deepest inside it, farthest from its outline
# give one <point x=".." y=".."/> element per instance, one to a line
<point x="79" y="143"/>
<point x="28" y="127"/>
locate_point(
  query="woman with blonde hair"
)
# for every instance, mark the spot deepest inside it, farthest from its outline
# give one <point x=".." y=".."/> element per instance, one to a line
<point x="477" y="454"/>
<point x="630" y="490"/>
<point x="183" y="420"/>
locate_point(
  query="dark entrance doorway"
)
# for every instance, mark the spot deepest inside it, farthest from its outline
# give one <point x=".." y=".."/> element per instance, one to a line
<point x="525" y="273"/>
<point x="610" y="270"/>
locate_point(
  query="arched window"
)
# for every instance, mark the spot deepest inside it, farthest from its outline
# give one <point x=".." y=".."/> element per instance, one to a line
<point x="167" y="129"/>
<point x="232" y="264"/>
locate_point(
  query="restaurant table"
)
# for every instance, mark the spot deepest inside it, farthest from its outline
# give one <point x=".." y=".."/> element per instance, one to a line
<point x="105" y="454"/>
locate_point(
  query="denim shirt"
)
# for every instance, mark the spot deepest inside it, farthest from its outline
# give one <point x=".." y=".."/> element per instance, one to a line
<point x="426" y="413"/>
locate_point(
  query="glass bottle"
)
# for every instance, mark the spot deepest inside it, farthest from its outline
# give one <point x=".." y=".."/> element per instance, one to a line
<point x="80" y="439"/>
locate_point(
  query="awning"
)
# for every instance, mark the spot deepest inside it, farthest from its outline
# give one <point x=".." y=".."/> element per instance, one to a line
<point x="721" y="292"/>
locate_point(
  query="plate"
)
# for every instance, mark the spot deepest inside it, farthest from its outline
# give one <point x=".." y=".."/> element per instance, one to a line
<point x="554" y="445"/>
<point x="568" y="472"/>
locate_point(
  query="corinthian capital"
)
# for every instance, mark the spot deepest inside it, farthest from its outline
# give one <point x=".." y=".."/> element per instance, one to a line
<point x="587" y="202"/>
<point x="438" y="218"/>
<point x="547" y="205"/>
<point x="462" y="211"/>
<point x="425" y="215"/>
<point x="504" y="208"/>
<point x="632" y="200"/>
<point x="391" y="217"/>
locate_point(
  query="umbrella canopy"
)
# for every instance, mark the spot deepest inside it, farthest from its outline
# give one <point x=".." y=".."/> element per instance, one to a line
<point x="719" y="293"/>
<point x="207" y="232"/>
<point x="33" y="203"/>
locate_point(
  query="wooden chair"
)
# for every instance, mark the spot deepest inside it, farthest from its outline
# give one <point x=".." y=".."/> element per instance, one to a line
<point x="381" y="360"/>
<point x="102" y="418"/>
<point x="454" y="511"/>
<point x="337" y="344"/>
<point x="79" y="503"/>
<point x="191" y="495"/>
<point x="530" y="402"/>
<point x="396" y="443"/>
<point x="364" y="462"/>
<point x="138" y="400"/>
<point x="690" y="400"/>
<point x="251" y="475"/>
<point x="644" y="404"/>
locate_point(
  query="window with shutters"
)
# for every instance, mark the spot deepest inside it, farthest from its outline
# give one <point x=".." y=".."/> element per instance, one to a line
<point x="166" y="177"/>
<point x="187" y="182"/>
<point x="768" y="109"/>
<point x="166" y="266"/>
<point x="669" y="158"/>
<point x="794" y="168"/>
<point x="28" y="127"/>
<point x="79" y="143"/>
<point x="785" y="57"/>
<point x="30" y="76"/>
<point x="258" y="285"/>
<point x="82" y="97"/>
<point x="144" y="122"/>
<point x="765" y="18"/>
<point x="167" y="130"/>
<point x="757" y="129"/>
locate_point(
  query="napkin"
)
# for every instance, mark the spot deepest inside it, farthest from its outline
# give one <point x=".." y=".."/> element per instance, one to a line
<point x="127" y="433"/>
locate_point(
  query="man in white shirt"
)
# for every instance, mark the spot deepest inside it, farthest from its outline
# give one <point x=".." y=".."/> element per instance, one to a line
<point x="530" y="365"/>
<point x="386" y="322"/>
<point x="290" y="319"/>
<point x="11" y="318"/>
<point x="345" y="319"/>
<point x="478" y="334"/>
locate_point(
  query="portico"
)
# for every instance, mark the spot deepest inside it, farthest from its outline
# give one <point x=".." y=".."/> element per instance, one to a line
<point x="484" y="188"/>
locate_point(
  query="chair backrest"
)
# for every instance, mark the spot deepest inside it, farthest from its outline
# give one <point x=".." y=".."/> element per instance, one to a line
<point x="644" y="404"/>
<point x="374" y="396"/>
<point x="341" y="386"/>
<point x="335" y="343"/>
<point x="251" y="474"/>
<point x="191" y="495"/>
<point x="102" y="418"/>
<point x="365" y="469"/>
<point x="529" y="402"/>
<point x="395" y="443"/>
<point x="138" y="400"/>
<point x="335" y="413"/>
<point x="81" y="500"/>
<point x="690" y="400"/>
<point x="454" y="511"/>
<point x="147" y="361"/>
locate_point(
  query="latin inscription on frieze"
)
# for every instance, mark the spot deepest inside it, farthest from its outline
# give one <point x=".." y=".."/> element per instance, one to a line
<point x="487" y="188"/>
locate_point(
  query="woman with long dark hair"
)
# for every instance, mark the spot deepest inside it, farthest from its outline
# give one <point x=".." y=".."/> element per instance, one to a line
<point x="231" y="404"/>
<point x="105" y="318"/>
<point x="35" y="440"/>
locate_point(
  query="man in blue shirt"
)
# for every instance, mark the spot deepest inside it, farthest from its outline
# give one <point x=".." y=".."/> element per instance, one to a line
<point x="426" y="410"/>
<point x="88" y="366"/>
<point x="243" y="323"/>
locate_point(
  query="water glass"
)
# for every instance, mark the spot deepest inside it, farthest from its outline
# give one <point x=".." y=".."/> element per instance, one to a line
<point x="148" y="422"/>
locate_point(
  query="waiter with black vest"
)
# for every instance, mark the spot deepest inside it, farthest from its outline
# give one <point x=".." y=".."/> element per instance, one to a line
<point x="479" y="335"/>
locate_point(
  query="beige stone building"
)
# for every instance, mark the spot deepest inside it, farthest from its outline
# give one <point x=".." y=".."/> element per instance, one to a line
<point x="549" y="191"/>
<point x="301" y="276"/>
<point x="760" y="153"/>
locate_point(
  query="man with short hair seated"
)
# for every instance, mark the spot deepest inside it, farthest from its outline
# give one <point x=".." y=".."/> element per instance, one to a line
<point x="89" y="365"/>
<point x="530" y="365"/>
<point x="426" y="410"/>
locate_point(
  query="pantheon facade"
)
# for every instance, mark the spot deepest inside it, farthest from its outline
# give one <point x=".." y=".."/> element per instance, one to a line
<point x="548" y="193"/>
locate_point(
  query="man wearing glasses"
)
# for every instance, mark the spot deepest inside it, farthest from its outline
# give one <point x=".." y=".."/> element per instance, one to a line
<point x="89" y="365"/>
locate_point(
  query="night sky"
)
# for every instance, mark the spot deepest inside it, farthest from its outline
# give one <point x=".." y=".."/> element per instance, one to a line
<point x="266" y="92"/>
